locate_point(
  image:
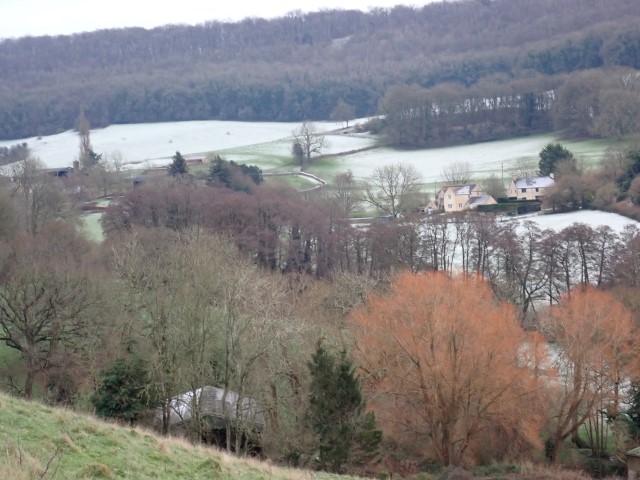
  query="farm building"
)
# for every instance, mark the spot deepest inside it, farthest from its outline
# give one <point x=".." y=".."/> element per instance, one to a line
<point x="633" y="463"/>
<point x="213" y="414"/>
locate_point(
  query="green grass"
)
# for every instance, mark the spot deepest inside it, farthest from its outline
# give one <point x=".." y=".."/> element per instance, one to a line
<point x="329" y="166"/>
<point x="77" y="446"/>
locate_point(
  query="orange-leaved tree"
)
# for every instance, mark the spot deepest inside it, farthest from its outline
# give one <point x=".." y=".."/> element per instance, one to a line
<point x="448" y="366"/>
<point x="594" y="355"/>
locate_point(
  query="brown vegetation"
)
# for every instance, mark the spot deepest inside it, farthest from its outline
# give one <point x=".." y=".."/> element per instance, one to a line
<point x="234" y="288"/>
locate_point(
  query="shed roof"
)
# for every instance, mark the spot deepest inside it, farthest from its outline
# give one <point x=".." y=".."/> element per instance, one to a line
<point x="211" y="404"/>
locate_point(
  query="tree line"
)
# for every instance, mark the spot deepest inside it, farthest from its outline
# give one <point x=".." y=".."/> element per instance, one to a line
<point x="599" y="103"/>
<point x="303" y="66"/>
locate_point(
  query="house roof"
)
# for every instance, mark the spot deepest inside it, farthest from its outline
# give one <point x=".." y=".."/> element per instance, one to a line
<point x="481" y="200"/>
<point x="211" y="404"/>
<point x="466" y="189"/>
<point x="534" y="182"/>
<point x="458" y="189"/>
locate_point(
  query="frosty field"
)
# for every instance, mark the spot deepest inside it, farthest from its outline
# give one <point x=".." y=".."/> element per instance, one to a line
<point x="268" y="144"/>
<point x="593" y="218"/>
<point x="158" y="142"/>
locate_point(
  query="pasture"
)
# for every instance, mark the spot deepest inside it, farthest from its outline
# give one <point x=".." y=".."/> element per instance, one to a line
<point x="268" y="145"/>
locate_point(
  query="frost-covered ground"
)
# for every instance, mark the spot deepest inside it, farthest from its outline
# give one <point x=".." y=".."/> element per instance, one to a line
<point x="483" y="158"/>
<point x="593" y="218"/>
<point x="268" y="144"/>
<point x="499" y="157"/>
<point x="157" y="142"/>
<point x="271" y="154"/>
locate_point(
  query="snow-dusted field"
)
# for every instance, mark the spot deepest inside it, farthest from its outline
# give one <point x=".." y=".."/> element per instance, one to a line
<point x="158" y="142"/>
<point x="483" y="158"/>
<point x="593" y="218"/>
<point x="271" y="153"/>
<point x="268" y="144"/>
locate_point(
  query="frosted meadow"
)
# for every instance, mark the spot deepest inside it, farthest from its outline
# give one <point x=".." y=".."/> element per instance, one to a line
<point x="268" y="144"/>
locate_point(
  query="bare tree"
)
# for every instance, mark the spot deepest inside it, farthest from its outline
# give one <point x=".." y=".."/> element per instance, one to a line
<point x="307" y="142"/>
<point x="525" y="168"/>
<point x="45" y="300"/>
<point x="42" y="198"/>
<point x="208" y="316"/>
<point x="494" y="186"/>
<point x="8" y="216"/>
<point x="615" y="162"/>
<point x="392" y="187"/>
<point x="594" y="335"/>
<point x="343" y="112"/>
<point x="457" y="173"/>
<point x="346" y="191"/>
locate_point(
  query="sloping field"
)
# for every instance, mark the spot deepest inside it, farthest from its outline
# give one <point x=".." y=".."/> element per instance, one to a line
<point x="268" y="144"/>
<point x="37" y="441"/>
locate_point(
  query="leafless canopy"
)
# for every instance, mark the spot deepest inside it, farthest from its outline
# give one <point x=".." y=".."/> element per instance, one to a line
<point x="310" y="143"/>
<point x="457" y="173"/>
<point x="391" y="187"/>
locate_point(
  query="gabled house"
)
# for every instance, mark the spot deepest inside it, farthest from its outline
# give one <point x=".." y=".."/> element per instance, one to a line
<point x="457" y="198"/>
<point x="533" y="188"/>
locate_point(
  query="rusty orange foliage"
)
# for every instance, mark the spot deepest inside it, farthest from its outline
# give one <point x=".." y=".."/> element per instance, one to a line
<point x="446" y="363"/>
<point x="595" y="353"/>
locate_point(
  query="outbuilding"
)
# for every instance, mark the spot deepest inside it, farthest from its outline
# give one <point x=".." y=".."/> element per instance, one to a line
<point x="633" y="463"/>
<point x="218" y="416"/>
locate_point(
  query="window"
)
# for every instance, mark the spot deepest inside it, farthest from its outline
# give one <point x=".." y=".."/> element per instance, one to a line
<point x="449" y="196"/>
<point x="523" y="190"/>
<point x="537" y="189"/>
<point x="459" y="205"/>
<point x="450" y="206"/>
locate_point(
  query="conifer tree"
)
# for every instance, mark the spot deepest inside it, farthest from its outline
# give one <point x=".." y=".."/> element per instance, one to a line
<point x="551" y="156"/>
<point x="179" y="165"/>
<point x="123" y="390"/>
<point x="336" y="412"/>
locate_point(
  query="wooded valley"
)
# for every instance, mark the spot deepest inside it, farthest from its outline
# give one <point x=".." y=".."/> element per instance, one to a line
<point x="404" y="344"/>
<point x="495" y="62"/>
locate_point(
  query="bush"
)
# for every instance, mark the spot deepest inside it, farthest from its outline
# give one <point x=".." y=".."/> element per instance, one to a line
<point x="122" y="391"/>
<point x="604" y="467"/>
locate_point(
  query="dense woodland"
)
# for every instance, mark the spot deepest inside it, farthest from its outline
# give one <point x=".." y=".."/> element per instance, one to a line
<point x="498" y="67"/>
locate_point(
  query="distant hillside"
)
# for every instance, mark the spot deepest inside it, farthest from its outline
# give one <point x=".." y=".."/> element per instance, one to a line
<point x="302" y="66"/>
<point x="35" y="439"/>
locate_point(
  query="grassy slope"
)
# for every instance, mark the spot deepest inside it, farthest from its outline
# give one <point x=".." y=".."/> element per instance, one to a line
<point x="79" y="446"/>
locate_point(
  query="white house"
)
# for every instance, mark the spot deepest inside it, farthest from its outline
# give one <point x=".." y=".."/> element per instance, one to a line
<point x="533" y="188"/>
